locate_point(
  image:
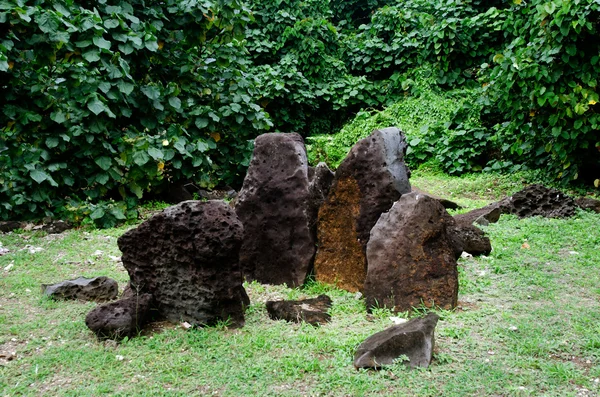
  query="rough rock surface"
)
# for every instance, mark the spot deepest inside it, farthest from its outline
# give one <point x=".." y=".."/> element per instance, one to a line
<point x="412" y="259"/>
<point x="97" y="289"/>
<point x="448" y="204"/>
<point x="538" y="200"/>
<point x="369" y="180"/>
<point x="273" y="206"/>
<point x="414" y="339"/>
<point x="312" y="311"/>
<point x="486" y="215"/>
<point x="187" y="258"/>
<point x="119" y="319"/>
<point x="586" y="203"/>
<point x="469" y="238"/>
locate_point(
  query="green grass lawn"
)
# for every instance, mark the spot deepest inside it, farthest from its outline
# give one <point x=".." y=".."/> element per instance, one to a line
<point x="527" y="324"/>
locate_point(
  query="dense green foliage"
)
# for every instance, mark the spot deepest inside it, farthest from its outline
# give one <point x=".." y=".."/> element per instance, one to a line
<point x="104" y="104"/>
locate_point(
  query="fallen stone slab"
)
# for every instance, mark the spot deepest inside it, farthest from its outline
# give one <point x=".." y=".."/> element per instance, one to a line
<point x="274" y="205"/>
<point x="485" y="215"/>
<point x="98" y="289"/>
<point x="120" y="319"/>
<point x="414" y="341"/>
<point x="411" y="256"/>
<point x="366" y="184"/>
<point x="312" y="311"/>
<point x="586" y="203"/>
<point x="186" y="257"/>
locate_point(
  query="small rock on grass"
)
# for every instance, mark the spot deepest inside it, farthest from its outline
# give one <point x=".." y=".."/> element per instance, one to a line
<point x="97" y="289"/>
<point x="312" y="311"/>
<point x="413" y="340"/>
<point x="119" y="319"/>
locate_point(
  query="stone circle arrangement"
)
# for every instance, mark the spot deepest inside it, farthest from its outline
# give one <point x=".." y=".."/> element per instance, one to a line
<point x="362" y="228"/>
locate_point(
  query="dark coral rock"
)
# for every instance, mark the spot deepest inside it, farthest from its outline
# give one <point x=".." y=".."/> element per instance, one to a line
<point x="469" y="238"/>
<point x="274" y="206"/>
<point x="119" y="319"/>
<point x="415" y="340"/>
<point x="590" y="204"/>
<point x="312" y="311"/>
<point x="187" y="258"/>
<point x="369" y="180"/>
<point x="412" y="259"/>
<point x="97" y="289"/>
<point x="538" y="200"/>
<point x="485" y="215"/>
<point x="448" y="204"/>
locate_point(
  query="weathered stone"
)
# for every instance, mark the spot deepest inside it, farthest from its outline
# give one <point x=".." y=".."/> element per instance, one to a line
<point x="587" y="203"/>
<point x="469" y="238"/>
<point x="119" y="319"/>
<point x="187" y="258"/>
<point x="9" y="226"/>
<point x="274" y="206"/>
<point x="448" y="204"/>
<point x="97" y="289"/>
<point x="414" y="339"/>
<point x="412" y="259"/>
<point x="369" y="180"/>
<point x="538" y="200"/>
<point x="312" y="311"/>
<point x="55" y="227"/>
<point x="486" y="215"/>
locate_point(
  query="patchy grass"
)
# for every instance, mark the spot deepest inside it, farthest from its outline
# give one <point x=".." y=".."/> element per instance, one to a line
<point x="528" y="323"/>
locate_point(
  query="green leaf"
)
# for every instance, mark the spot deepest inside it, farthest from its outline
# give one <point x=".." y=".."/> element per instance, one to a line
<point x="102" y="178"/>
<point x="104" y="162"/>
<point x="101" y="43"/>
<point x="136" y="190"/>
<point x="97" y="214"/>
<point x="111" y="23"/>
<point x="38" y="176"/>
<point x="91" y="55"/>
<point x="140" y="158"/>
<point x="201" y="122"/>
<point x="96" y="106"/>
<point x="125" y="87"/>
<point x="202" y="146"/>
<point x="155" y="153"/>
<point x="175" y="102"/>
<point x="152" y="92"/>
<point x="52" y="142"/>
<point x="58" y="117"/>
<point x="151" y="45"/>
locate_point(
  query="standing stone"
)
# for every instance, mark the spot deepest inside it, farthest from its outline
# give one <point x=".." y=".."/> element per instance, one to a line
<point x="369" y="180"/>
<point x="412" y="259"/>
<point x="97" y="289"/>
<point x="187" y="258"/>
<point x="414" y="339"/>
<point x="274" y="207"/>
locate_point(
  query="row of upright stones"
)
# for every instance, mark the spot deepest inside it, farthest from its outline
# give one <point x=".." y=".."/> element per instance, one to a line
<point x="362" y="229"/>
<point x="373" y="235"/>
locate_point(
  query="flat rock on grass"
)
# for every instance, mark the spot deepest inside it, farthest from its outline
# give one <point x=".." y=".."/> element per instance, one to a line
<point x="312" y="311"/>
<point x="411" y="256"/>
<point x="187" y="258"/>
<point x="369" y="180"/>
<point x="97" y="289"/>
<point x="413" y="340"/>
<point x="470" y="239"/>
<point x="587" y="203"/>
<point x="538" y="200"/>
<point x="119" y="319"/>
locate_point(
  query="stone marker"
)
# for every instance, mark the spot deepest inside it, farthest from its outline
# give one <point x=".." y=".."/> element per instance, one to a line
<point x="312" y="311"/>
<point x="586" y="203"/>
<point x="119" y="319"/>
<point x="187" y="258"/>
<point x="274" y="206"/>
<point x="413" y="339"/>
<point x="470" y="239"/>
<point x="97" y="289"/>
<point x="538" y="200"/>
<point x="369" y="180"/>
<point x="412" y="259"/>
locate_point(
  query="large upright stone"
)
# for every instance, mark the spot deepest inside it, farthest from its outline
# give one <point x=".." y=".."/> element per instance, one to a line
<point x="412" y="260"/>
<point x="187" y="258"/>
<point x="275" y="207"/>
<point x="369" y="180"/>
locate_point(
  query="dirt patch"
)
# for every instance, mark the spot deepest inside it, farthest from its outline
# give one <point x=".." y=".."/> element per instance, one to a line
<point x="8" y="351"/>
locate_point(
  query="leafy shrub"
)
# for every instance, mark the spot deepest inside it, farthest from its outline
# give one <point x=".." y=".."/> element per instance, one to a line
<point x="113" y="100"/>
<point x="543" y="86"/>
